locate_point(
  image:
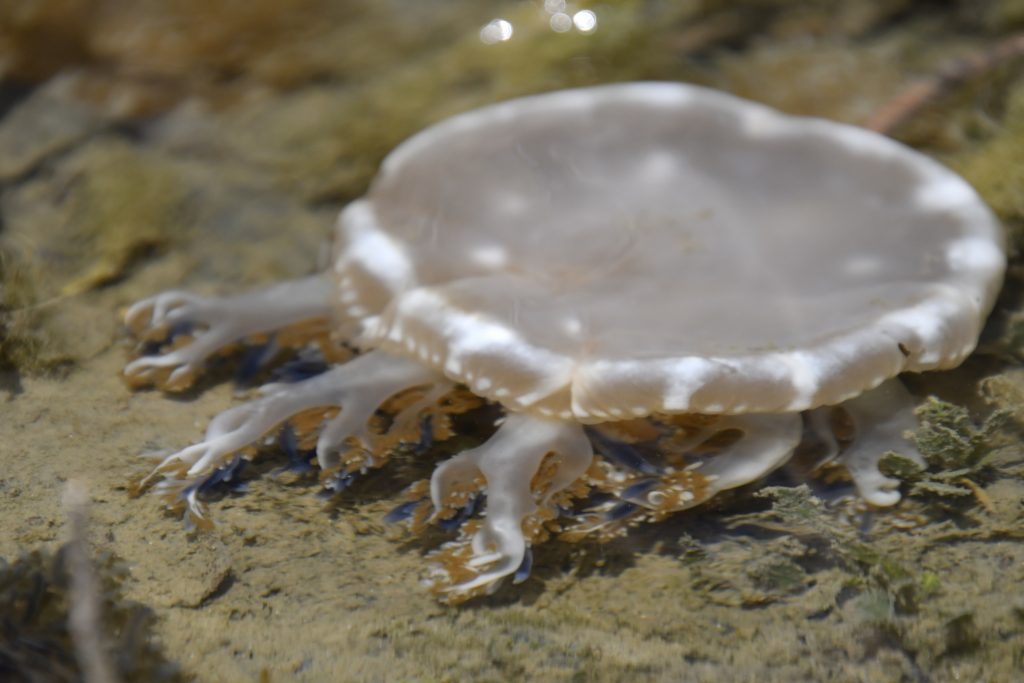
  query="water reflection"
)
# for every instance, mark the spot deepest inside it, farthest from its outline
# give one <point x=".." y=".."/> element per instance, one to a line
<point x="561" y="18"/>
<point x="560" y="22"/>
<point x="497" y="31"/>
<point x="585" y="21"/>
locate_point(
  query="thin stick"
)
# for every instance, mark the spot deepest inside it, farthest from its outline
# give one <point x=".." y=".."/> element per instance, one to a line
<point x="926" y="91"/>
<point x="84" y="612"/>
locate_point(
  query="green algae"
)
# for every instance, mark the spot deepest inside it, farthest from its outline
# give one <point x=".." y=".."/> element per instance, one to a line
<point x="956" y="451"/>
<point x="893" y="599"/>
<point x="880" y="576"/>
<point x="1005" y="391"/>
<point x="949" y="439"/>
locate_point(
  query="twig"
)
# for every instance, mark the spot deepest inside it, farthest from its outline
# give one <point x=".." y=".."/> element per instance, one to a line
<point x="85" y="611"/>
<point x="926" y="91"/>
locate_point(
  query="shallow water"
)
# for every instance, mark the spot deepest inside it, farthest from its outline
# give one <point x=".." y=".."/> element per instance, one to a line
<point x="216" y="159"/>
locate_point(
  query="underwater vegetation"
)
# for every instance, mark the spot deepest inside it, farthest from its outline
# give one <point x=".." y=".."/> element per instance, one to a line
<point x="957" y="452"/>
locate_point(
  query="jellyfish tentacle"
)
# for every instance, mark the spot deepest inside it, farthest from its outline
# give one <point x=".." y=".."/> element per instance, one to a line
<point x="574" y="453"/>
<point x="768" y="441"/>
<point x="357" y="387"/>
<point x="214" y="323"/>
<point x="508" y="462"/>
<point x="382" y="375"/>
<point x="819" y="425"/>
<point x="881" y="418"/>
